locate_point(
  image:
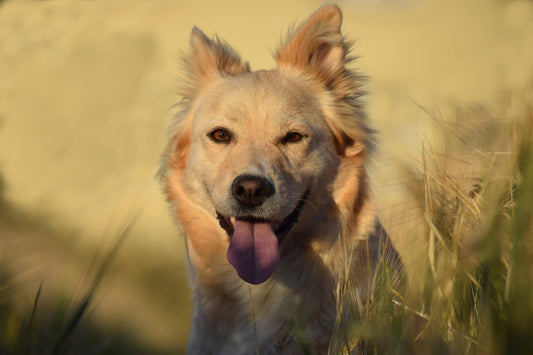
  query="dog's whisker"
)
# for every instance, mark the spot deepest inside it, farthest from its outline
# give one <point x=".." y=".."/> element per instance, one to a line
<point x="312" y="205"/>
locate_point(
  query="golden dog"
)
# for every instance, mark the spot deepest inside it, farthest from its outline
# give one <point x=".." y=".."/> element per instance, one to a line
<point x="265" y="173"/>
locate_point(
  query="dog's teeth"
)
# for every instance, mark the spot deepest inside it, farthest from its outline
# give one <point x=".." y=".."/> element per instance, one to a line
<point x="232" y="220"/>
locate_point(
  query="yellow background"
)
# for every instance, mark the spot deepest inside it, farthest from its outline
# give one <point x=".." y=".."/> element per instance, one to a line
<point x="87" y="89"/>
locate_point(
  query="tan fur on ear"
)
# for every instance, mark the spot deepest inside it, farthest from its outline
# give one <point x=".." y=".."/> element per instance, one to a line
<point x="319" y="51"/>
<point x="317" y="46"/>
<point x="208" y="60"/>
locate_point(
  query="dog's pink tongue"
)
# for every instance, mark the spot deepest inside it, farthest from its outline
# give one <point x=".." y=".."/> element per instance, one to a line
<point x="253" y="251"/>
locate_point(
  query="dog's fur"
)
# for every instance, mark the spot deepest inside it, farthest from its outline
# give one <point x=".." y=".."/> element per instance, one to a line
<point x="299" y="132"/>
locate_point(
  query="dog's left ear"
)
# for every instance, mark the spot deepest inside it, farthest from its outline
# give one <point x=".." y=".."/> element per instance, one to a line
<point x="317" y="46"/>
<point x="318" y="50"/>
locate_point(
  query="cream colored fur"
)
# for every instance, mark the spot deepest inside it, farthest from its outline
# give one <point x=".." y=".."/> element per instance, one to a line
<point x="337" y="239"/>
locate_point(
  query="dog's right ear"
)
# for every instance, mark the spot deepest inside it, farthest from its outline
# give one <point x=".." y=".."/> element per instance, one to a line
<point x="208" y="60"/>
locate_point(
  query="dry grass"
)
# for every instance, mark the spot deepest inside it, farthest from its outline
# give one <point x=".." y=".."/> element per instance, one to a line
<point x="471" y="292"/>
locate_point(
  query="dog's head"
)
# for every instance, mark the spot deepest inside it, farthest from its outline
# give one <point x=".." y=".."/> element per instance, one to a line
<point x="252" y="150"/>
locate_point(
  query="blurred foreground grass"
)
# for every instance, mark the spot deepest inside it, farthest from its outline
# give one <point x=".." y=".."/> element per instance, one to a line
<point x="50" y="290"/>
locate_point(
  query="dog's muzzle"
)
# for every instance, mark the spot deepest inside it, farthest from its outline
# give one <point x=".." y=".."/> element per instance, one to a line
<point x="254" y="245"/>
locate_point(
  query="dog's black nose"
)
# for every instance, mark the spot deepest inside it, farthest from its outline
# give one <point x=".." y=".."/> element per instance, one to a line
<point x="250" y="190"/>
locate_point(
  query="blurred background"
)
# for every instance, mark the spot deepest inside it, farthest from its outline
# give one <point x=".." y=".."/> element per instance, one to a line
<point x="86" y="92"/>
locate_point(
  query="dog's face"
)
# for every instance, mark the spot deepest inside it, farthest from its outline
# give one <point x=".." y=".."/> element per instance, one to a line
<point x="259" y="143"/>
<point x="253" y="149"/>
<point x="259" y="148"/>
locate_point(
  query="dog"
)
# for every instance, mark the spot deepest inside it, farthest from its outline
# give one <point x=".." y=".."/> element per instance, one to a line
<point x="265" y="172"/>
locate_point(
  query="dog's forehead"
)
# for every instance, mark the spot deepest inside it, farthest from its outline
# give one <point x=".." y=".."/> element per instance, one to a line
<point x="261" y="95"/>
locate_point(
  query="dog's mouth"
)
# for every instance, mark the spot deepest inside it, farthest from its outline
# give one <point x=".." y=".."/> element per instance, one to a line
<point x="254" y="245"/>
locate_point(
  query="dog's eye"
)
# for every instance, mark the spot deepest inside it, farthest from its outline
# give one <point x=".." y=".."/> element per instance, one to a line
<point x="220" y="135"/>
<point x="292" y="137"/>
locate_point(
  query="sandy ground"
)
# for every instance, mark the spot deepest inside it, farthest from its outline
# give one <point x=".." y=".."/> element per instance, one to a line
<point x="87" y="88"/>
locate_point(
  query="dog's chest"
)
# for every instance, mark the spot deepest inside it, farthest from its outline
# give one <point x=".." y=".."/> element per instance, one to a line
<point x="274" y="318"/>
